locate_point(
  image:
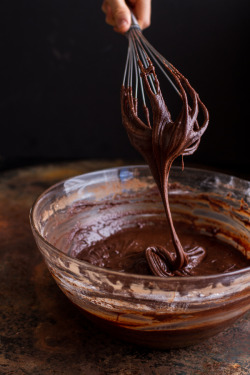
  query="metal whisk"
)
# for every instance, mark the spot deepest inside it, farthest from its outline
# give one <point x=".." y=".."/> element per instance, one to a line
<point x="139" y="76"/>
<point x="141" y="54"/>
<point x="155" y="135"/>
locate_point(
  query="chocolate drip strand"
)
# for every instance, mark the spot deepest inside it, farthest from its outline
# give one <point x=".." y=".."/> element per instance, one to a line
<point x="159" y="139"/>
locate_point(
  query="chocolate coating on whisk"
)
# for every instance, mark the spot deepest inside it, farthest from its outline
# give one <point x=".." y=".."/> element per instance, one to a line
<point x="160" y="143"/>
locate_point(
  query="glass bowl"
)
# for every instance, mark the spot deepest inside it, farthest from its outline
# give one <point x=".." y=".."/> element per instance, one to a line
<point x="146" y="310"/>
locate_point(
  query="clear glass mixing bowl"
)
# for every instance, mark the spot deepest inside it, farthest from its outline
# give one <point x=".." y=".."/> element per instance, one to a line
<point x="147" y="310"/>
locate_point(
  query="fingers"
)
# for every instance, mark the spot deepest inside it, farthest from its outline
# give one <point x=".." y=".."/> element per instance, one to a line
<point x="117" y="15"/>
<point x="142" y="11"/>
<point x="108" y="11"/>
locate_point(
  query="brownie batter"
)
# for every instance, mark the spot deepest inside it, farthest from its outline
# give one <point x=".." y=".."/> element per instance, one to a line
<point x="160" y="143"/>
<point x="124" y="251"/>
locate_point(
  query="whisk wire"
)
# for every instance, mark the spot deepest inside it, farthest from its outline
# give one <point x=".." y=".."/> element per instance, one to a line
<point x="143" y="56"/>
<point x="126" y="69"/>
<point x="152" y="54"/>
<point x="137" y="69"/>
<point x="130" y="73"/>
<point x="139" y="49"/>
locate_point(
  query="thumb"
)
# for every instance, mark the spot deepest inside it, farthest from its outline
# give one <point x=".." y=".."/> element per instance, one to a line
<point x="121" y="15"/>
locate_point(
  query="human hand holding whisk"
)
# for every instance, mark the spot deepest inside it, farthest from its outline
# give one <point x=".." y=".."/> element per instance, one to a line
<point x="118" y="13"/>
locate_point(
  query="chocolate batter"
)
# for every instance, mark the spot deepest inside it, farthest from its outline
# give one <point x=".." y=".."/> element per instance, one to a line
<point x="160" y="143"/>
<point x="124" y="251"/>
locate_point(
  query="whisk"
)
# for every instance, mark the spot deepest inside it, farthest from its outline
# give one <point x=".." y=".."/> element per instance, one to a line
<point x="156" y="136"/>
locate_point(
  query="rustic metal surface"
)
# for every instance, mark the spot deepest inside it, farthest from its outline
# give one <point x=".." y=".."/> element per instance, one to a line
<point x="42" y="333"/>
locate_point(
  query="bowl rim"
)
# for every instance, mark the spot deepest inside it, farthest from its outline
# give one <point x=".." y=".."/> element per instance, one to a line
<point x="151" y="278"/>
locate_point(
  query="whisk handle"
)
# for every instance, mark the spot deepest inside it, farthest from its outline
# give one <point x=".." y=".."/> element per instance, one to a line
<point x="134" y="22"/>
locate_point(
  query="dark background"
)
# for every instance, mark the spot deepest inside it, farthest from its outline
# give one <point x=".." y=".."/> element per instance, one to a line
<point x="62" y="67"/>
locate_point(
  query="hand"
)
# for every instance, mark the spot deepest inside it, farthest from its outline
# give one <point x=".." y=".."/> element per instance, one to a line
<point x="118" y="13"/>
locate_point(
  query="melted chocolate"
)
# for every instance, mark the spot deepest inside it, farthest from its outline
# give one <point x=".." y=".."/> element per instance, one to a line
<point x="124" y="251"/>
<point x="160" y="143"/>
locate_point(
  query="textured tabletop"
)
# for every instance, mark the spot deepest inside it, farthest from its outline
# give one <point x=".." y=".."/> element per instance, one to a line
<point x="42" y="333"/>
